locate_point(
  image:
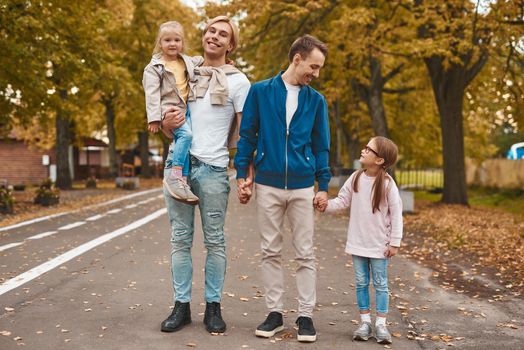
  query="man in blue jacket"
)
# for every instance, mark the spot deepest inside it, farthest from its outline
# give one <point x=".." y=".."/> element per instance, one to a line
<point x="286" y="122"/>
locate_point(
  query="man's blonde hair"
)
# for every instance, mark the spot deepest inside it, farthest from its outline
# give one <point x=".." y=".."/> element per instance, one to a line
<point x="235" y="36"/>
<point x="171" y="25"/>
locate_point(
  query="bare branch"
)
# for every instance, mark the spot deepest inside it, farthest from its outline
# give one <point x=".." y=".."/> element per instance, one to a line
<point x="399" y="91"/>
<point x="393" y="73"/>
<point x="472" y="72"/>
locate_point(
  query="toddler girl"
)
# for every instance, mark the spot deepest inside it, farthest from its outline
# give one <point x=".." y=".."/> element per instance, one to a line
<point x="166" y="84"/>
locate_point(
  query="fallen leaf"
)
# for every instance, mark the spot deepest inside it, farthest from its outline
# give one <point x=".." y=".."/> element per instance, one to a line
<point x="191" y="345"/>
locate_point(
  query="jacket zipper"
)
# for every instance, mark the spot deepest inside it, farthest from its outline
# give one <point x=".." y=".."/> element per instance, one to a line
<point x="287" y="138"/>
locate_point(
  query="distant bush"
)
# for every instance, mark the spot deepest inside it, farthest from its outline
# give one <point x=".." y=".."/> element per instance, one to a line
<point x="47" y="194"/>
<point x="19" y="187"/>
<point x="6" y="200"/>
<point x="129" y="185"/>
<point x="91" y="182"/>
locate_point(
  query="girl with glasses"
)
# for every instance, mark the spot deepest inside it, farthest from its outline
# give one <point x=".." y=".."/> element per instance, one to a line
<point x="374" y="232"/>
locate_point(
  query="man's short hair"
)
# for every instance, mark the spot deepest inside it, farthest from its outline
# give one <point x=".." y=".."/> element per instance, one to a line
<point x="304" y="45"/>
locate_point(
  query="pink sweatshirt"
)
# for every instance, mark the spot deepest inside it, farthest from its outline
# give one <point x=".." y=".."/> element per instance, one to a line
<point x="369" y="234"/>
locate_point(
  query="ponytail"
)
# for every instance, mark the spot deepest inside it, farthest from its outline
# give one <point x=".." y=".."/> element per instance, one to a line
<point x="378" y="189"/>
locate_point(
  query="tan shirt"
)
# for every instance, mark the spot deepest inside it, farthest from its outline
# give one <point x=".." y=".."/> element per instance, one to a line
<point x="178" y="68"/>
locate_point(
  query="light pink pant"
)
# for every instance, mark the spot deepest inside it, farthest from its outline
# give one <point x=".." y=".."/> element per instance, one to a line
<point x="273" y="204"/>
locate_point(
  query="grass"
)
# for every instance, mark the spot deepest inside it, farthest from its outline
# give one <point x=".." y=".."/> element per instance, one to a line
<point x="511" y="201"/>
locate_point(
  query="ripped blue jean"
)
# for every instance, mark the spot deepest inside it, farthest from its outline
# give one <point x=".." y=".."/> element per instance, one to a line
<point x="379" y="272"/>
<point x="211" y="185"/>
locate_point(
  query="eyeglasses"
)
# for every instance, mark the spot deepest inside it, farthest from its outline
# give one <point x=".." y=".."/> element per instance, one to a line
<point x="368" y="149"/>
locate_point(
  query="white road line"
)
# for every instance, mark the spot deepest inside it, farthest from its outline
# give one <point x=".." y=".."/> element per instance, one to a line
<point x="95" y="217"/>
<point x="114" y="211"/>
<point x="38" y="236"/>
<point x="70" y="226"/>
<point x="42" y="235"/>
<point x="27" y="276"/>
<point x="130" y="206"/>
<point x="10" y="245"/>
<point x="29" y="222"/>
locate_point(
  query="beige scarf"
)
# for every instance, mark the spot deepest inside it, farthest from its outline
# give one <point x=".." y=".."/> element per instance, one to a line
<point x="213" y="79"/>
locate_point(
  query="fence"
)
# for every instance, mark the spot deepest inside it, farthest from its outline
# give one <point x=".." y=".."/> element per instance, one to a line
<point x="418" y="178"/>
<point x="496" y="173"/>
<point x="406" y="178"/>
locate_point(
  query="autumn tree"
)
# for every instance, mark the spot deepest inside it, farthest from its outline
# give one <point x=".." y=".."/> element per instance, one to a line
<point x="51" y="47"/>
<point x="456" y="39"/>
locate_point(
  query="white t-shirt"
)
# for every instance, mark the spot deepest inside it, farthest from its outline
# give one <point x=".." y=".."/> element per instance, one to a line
<point x="211" y="123"/>
<point x="291" y="101"/>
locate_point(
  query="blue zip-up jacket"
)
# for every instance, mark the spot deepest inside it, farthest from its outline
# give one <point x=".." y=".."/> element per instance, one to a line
<point x="285" y="158"/>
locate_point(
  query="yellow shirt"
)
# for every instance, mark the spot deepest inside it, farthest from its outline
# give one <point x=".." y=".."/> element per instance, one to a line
<point x="178" y="68"/>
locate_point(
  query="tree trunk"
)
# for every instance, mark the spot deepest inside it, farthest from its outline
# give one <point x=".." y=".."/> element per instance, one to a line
<point x="372" y="95"/>
<point x="375" y="100"/>
<point x="143" y="142"/>
<point x="62" y="142"/>
<point x="449" y="87"/>
<point x="111" y="135"/>
<point x="341" y="137"/>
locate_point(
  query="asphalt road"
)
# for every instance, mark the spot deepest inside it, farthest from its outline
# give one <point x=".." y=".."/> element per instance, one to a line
<point x="100" y="278"/>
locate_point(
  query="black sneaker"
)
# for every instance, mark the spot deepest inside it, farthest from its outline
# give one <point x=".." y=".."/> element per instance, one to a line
<point x="272" y="325"/>
<point x="180" y="316"/>
<point x="213" y="318"/>
<point x="306" y="330"/>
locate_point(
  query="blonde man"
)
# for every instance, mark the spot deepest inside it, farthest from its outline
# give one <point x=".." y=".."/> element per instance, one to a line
<point x="220" y="93"/>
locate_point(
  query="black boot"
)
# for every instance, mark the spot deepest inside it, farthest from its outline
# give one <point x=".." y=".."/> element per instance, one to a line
<point x="213" y="318"/>
<point x="180" y="316"/>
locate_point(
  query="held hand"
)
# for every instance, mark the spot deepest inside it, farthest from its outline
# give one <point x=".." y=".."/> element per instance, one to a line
<point x="391" y="251"/>
<point x="320" y="201"/>
<point x="321" y="206"/>
<point x="244" y="190"/>
<point x="154" y="127"/>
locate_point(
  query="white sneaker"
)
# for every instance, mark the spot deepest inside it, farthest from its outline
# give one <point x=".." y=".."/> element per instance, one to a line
<point x="180" y="190"/>
<point x="363" y="332"/>
<point x="382" y="334"/>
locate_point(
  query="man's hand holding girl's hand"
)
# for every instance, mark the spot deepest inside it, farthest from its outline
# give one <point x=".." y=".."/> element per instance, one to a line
<point x="320" y="201"/>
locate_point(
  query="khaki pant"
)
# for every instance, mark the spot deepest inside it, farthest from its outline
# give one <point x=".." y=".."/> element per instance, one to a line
<point x="272" y="205"/>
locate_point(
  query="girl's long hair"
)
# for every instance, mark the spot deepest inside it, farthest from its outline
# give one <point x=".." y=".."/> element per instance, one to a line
<point x="388" y="151"/>
<point x="173" y="25"/>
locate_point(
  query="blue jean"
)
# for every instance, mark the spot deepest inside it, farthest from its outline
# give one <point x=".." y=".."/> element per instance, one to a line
<point x="379" y="272"/>
<point x="211" y="185"/>
<point x="182" y="138"/>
